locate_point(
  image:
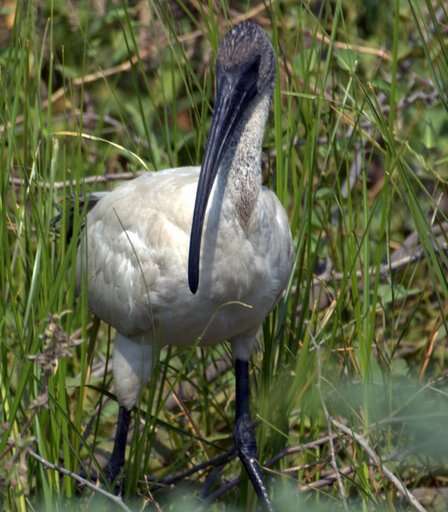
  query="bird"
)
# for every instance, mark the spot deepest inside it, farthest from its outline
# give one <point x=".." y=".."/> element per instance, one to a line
<point x="198" y="254"/>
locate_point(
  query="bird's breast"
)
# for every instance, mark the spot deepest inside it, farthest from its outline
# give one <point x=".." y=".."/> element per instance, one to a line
<point x="135" y="255"/>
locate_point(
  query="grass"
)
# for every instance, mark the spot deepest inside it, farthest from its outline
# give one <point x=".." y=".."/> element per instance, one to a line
<point x="356" y="150"/>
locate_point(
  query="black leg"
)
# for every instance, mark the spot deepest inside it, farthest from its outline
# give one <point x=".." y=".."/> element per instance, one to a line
<point x="245" y="434"/>
<point x="116" y="461"/>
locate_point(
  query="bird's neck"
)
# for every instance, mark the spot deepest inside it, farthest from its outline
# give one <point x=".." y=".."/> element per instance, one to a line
<point x="241" y="178"/>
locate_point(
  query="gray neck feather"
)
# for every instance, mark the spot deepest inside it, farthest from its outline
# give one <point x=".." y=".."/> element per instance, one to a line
<point x="239" y="179"/>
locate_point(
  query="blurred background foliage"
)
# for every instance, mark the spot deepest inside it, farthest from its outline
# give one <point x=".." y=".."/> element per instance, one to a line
<point x="350" y="391"/>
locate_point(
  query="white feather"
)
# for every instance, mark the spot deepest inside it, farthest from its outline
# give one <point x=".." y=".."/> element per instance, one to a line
<point x="135" y="253"/>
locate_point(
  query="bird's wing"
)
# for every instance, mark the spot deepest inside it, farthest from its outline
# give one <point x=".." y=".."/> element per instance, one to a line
<point x="135" y="248"/>
<point x="275" y="246"/>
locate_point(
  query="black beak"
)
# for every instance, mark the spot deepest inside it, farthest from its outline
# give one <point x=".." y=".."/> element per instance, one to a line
<point x="234" y="94"/>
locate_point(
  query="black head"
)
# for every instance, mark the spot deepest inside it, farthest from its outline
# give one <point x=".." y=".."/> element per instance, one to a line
<point x="245" y="70"/>
<point x="246" y="52"/>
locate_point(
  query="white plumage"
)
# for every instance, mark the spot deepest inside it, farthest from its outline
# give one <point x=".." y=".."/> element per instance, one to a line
<point x="136" y="243"/>
<point x="141" y="252"/>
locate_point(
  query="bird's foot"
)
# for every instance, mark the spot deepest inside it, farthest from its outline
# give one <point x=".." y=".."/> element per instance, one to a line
<point x="245" y="443"/>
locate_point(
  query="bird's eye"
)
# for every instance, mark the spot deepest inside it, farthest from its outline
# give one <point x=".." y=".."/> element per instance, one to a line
<point x="249" y="75"/>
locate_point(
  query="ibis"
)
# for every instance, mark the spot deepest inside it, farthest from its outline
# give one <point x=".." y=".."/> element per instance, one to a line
<point x="195" y="254"/>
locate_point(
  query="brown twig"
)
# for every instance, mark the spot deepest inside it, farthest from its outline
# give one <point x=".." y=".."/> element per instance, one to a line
<point x="190" y="422"/>
<point x="187" y="391"/>
<point x="367" y="50"/>
<point x="396" y="482"/>
<point x="327" y="480"/>
<point x="299" y="448"/>
<point x="428" y="352"/>
<point x="283" y="453"/>
<point x="328" y="419"/>
<point x="385" y="269"/>
<point x="94" y="487"/>
<point x="217" y="461"/>
<point x="119" y="176"/>
<point x="134" y="59"/>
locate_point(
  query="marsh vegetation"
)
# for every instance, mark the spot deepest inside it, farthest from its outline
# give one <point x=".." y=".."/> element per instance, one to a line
<point x="350" y="388"/>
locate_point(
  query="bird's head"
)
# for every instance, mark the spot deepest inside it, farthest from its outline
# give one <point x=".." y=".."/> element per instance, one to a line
<point x="245" y="71"/>
<point x="245" y="62"/>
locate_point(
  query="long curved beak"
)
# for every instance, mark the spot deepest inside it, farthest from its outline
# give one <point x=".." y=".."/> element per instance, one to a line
<point x="231" y="101"/>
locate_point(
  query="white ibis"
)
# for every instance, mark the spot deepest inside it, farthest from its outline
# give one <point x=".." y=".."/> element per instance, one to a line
<point x="195" y="254"/>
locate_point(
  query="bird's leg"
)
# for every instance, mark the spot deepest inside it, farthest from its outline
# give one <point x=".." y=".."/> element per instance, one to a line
<point x="244" y="434"/>
<point x="116" y="461"/>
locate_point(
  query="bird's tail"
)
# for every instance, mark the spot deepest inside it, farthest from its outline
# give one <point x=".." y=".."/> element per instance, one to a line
<point x="83" y="206"/>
